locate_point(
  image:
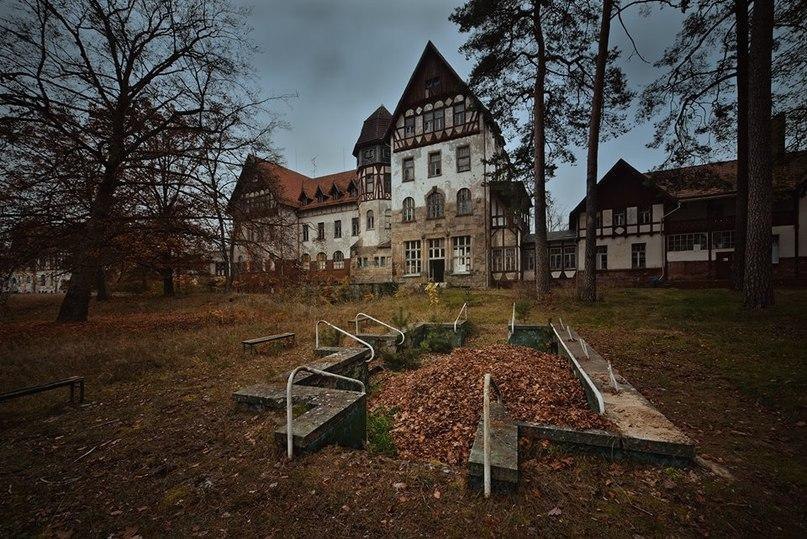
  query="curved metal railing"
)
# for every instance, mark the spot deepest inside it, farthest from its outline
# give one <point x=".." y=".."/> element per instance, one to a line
<point x="586" y="378"/>
<point x="464" y="309"/>
<point x="343" y="332"/>
<point x="366" y="316"/>
<point x="289" y="408"/>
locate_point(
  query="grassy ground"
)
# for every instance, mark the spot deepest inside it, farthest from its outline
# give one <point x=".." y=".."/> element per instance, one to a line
<point x="161" y="450"/>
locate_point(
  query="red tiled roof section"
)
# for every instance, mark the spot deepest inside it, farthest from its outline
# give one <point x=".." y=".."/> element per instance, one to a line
<point x="291" y="184"/>
<point x="714" y="179"/>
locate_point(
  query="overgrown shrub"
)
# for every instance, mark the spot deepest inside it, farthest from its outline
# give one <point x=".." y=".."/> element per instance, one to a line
<point x="523" y="307"/>
<point x="328" y="336"/>
<point x="406" y="359"/>
<point x="436" y="341"/>
<point x="401" y="318"/>
<point x="379" y="437"/>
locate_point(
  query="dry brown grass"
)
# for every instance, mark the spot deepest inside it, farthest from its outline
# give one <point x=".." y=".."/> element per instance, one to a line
<point x="161" y="450"/>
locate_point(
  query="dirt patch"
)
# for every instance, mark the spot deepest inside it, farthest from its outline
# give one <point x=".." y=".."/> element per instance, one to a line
<point x="437" y="407"/>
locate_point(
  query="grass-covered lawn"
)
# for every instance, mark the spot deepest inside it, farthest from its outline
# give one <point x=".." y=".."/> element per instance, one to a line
<point x="161" y="450"/>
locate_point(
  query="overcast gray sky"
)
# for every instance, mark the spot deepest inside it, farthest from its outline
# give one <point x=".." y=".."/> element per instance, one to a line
<point x="346" y="57"/>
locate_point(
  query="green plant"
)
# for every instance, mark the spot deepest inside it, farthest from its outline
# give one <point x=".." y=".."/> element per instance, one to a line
<point x="379" y="437"/>
<point x="401" y="318"/>
<point x="436" y="341"/>
<point x="406" y="359"/>
<point x="328" y="336"/>
<point x="523" y="307"/>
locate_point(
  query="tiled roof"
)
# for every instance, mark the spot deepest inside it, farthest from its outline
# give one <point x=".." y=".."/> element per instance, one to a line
<point x="374" y="128"/>
<point x="552" y="235"/>
<point x="292" y="185"/>
<point x="720" y="178"/>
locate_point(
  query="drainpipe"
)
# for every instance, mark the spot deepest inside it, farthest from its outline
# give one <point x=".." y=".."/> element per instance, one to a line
<point x="664" y="240"/>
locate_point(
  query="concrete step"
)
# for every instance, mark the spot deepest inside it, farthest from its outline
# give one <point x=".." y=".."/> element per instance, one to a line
<point x="503" y="452"/>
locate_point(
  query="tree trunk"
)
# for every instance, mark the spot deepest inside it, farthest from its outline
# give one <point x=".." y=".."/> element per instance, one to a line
<point x="168" y="282"/>
<point x="741" y="217"/>
<point x="542" y="277"/>
<point x="102" y="291"/>
<point x="587" y="290"/>
<point x="758" y="277"/>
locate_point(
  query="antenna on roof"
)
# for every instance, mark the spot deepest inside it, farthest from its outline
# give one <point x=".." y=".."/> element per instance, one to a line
<point x="314" y="166"/>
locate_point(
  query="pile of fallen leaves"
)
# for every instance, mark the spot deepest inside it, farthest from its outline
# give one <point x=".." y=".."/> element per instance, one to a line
<point x="438" y="407"/>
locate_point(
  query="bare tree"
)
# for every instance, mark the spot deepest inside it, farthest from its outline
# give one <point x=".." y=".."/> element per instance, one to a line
<point x="84" y="70"/>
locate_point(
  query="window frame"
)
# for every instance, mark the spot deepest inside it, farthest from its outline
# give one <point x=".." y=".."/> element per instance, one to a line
<point x="648" y="211"/>
<point x="407" y="132"/>
<point x="413" y="263"/>
<point x="337" y="228"/>
<point x="408" y="210"/>
<point x="638" y="255"/>
<point x="408" y="164"/>
<point x="556" y="258"/>
<point x="305" y="232"/>
<point x="369" y="220"/>
<point x="435" y="205"/>
<point x="469" y="209"/>
<point x="338" y="262"/>
<point x="461" y="255"/>
<point x="601" y="263"/>
<point x="439" y="162"/>
<point x="355" y="224"/>
<point x="458" y="114"/>
<point x="465" y="167"/>
<point x="321" y="231"/>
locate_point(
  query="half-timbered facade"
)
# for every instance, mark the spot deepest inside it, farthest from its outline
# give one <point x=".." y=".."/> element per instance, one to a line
<point x="421" y="205"/>
<point x="678" y="225"/>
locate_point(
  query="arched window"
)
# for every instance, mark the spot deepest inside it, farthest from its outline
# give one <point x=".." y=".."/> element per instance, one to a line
<point x="435" y="205"/>
<point x="321" y="258"/>
<point x="338" y="260"/>
<point x="370" y="220"/>
<point x="464" y="206"/>
<point x="408" y="209"/>
<point x="305" y="261"/>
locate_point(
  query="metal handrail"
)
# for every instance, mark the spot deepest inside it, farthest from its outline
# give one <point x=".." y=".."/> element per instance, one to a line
<point x="486" y="430"/>
<point x="343" y="332"/>
<point x="368" y="317"/>
<point x="590" y="383"/>
<point x="289" y="411"/>
<point x="463" y="309"/>
<point x="513" y="320"/>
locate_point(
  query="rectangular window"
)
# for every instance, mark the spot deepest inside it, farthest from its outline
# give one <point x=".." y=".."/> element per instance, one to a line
<point x="409" y="126"/>
<point x="320" y="231"/>
<point x="645" y="216"/>
<point x="412" y="257"/>
<point x="638" y="255"/>
<point x="387" y="184"/>
<point x="497" y="217"/>
<point x="409" y="169"/>
<point x="305" y="232"/>
<point x="459" y="113"/>
<point x="337" y="229"/>
<point x="555" y="258"/>
<point x="369" y="184"/>
<point x="439" y="119"/>
<point x="437" y="249"/>
<point x="354" y="226"/>
<point x="686" y="242"/>
<point x="620" y="218"/>
<point x="723" y="239"/>
<point x="435" y="167"/>
<point x="428" y="121"/>
<point x="504" y="259"/>
<point x="463" y="159"/>
<point x="528" y="259"/>
<point x="569" y="255"/>
<point x="602" y="257"/>
<point x="462" y="254"/>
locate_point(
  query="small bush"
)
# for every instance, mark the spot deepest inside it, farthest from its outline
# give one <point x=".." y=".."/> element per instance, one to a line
<point x="401" y="318"/>
<point x="403" y="360"/>
<point x="379" y="439"/>
<point x="523" y="307"/>
<point x="328" y="336"/>
<point x="436" y="341"/>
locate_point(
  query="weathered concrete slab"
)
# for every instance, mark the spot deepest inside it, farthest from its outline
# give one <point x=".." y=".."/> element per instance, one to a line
<point x="503" y="452"/>
<point x="417" y="333"/>
<point x="350" y="362"/>
<point x="337" y="417"/>
<point x="643" y="429"/>
<point x="589" y="437"/>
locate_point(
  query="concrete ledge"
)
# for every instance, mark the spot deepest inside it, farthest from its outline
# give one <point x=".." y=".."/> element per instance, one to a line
<point x="589" y="437"/>
<point x="338" y="417"/>
<point x="503" y="452"/>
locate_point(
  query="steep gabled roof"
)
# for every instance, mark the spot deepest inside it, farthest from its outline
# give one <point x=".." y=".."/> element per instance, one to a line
<point x="432" y="57"/>
<point x="291" y="187"/>
<point x="374" y="128"/>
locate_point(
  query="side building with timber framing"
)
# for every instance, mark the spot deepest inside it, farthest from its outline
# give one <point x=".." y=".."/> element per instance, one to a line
<point x="677" y="225"/>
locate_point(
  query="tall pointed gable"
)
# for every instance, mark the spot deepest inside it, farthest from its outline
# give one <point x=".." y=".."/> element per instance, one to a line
<point x="374" y="128"/>
<point x="432" y="65"/>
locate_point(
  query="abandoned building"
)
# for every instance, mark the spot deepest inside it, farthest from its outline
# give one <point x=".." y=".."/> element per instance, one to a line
<point x="424" y="204"/>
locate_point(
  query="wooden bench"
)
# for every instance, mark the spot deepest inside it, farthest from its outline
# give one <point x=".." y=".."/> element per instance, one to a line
<point x="73" y="382"/>
<point x="251" y="343"/>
